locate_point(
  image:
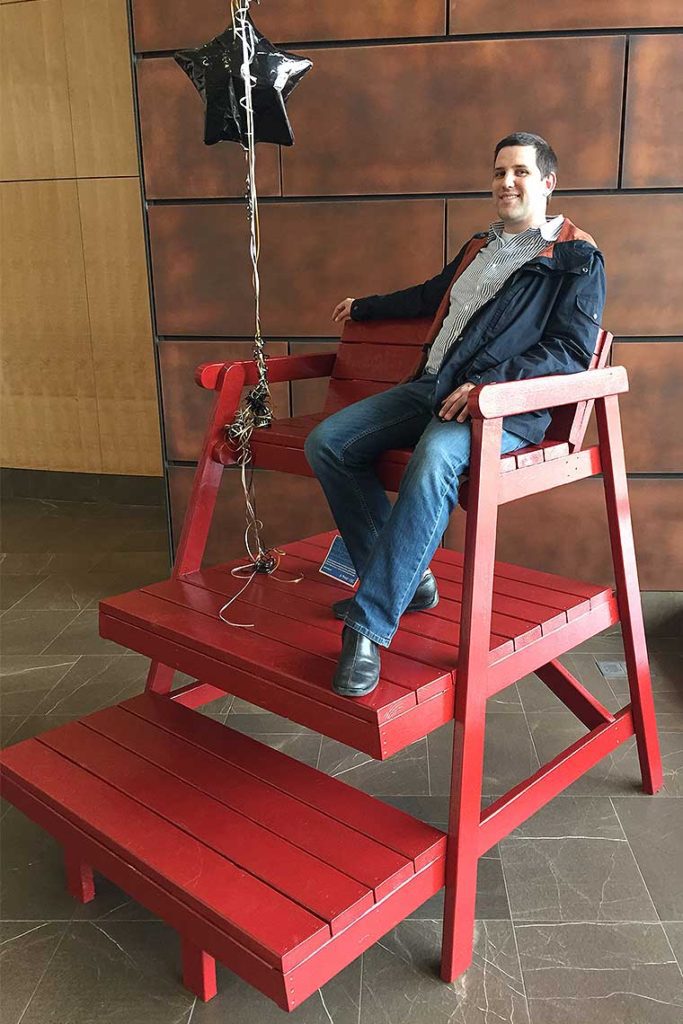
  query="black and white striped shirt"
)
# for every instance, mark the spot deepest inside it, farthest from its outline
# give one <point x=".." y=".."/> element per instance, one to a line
<point x="502" y="255"/>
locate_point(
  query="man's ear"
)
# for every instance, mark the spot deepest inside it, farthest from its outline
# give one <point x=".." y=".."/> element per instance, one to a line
<point x="550" y="182"/>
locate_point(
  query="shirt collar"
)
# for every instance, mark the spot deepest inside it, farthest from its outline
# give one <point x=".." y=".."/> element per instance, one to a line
<point x="548" y="231"/>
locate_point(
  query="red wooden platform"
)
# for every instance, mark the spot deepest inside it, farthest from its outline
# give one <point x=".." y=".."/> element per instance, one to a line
<point x="282" y="873"/>
<point x="286" y="662"/>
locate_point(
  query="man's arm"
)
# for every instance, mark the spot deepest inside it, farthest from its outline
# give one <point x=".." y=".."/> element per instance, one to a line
<point x="568" y="342"/>
<point x="420" y="300"/>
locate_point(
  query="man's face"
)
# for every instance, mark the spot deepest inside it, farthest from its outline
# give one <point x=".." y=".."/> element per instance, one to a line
<point x="520" y="193"/>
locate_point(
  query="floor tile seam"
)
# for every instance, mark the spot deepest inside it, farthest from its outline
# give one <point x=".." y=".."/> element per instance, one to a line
<point x="659" y="918"/>
<point x="514" y="936"/>
<point x="46" y="696"/>
<point x="673" y="952"/>
<point x="57" y="635"/>
<point x="44" y="972"/>
<point x="23" y="596"/>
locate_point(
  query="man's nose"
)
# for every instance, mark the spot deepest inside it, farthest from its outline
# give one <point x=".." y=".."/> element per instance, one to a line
<point x="509" y="179"/>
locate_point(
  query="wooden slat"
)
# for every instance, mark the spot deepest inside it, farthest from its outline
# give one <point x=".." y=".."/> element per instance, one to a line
<point x="342" y="721"/>
<point x="343" y="392"/>
<point x="279" y="931"/>
<point x="366" y="362"/>
<point x="411" y="331"/>
<point x="187" y="921"/>
<point x="260" y="799"/>
<point x="299" y="635"/>
<point x="292" y="871"/>
<point x="301" y="670"/>
<point x="389" y="826"/>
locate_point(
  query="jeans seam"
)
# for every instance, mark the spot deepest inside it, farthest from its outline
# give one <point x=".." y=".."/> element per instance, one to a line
<point x="349" y="473"/>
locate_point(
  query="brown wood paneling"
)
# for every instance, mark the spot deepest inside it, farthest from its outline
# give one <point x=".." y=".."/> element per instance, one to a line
<point x="308" y="396"/>
<point x="120" y="325"/>
<point x="313" y="255"/>
<point x="169" y="24"/>
<point x="474" y="16"/>
<point x="653" y="140"/>
<point x="650" y="411"/>
<point x="186" y="407"/>
<point x="426" y="117"/>
<point x="100" y="90"/>
<point x="34" y="97"/>
<point x="290" y="507"/>
<point x="637" y="234"/>
<point x="569" y="534"/>
<point x="49" y="407"/>
<point x="177" y="164"/>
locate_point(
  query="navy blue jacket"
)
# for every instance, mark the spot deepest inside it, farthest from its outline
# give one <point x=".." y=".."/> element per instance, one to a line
<point x="544" y="320"/>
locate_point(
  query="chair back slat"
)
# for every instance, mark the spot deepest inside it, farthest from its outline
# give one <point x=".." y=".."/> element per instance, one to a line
<point x="569" y="422"/>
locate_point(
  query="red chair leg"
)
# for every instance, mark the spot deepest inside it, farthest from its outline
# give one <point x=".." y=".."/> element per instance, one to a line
<point x="159" y="678"/>
<point x="628" y="593"/>
<point x="470" y="701"/>
<point x="79" y="877"/>
<point x="199" y="971"/>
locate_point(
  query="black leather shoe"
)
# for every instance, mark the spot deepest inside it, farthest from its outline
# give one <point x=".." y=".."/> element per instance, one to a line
<point x="426" y="596"/>
<point x="358" y="667"/>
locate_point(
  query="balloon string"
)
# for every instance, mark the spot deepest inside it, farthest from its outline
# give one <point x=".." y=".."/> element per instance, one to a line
<point x="256" y="409"/>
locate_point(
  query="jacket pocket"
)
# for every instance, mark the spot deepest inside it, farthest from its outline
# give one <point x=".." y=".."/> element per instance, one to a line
<point x="589" y="307"/>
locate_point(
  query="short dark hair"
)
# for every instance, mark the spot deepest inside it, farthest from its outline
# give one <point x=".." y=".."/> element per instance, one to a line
<point x="546" y="159"/>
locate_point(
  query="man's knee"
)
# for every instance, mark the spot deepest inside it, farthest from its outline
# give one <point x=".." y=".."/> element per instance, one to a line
<point x="320" y="444"/>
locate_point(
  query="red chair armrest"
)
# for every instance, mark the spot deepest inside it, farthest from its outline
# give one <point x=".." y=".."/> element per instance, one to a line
<point x="280" y="368"/>
<point x="493" y="401"/>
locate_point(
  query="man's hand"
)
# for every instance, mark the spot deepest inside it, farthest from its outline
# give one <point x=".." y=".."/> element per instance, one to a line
<point x="455" y="404"/>
<point x="343" y="311"/>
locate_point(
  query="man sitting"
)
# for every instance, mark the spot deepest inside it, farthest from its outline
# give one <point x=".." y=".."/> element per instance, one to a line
<point x="523" y="299"/>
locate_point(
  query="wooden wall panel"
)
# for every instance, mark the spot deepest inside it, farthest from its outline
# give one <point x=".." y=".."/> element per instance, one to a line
<point x="122" y="346"/>
<point x="177" y="164"/>
<point x="653" y="140"/>
<point x="313" y="254"/>
<point x="290" y="507"/>
<point x="393" y="119"/>
<point x="569" y="534"/>
<point x="49" y="407"/>
<point x="171" y="24"/>
<point x="34" y="95"/>
<point x="637" y="233"/>
<point x="650" y="411"/>
<point x="100" y="90"/>
<point x="474" y="16"/>
<point x="186" y="407"/>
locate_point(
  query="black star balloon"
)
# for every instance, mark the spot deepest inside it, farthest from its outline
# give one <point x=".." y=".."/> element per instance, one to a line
<point x="215" y="70"/>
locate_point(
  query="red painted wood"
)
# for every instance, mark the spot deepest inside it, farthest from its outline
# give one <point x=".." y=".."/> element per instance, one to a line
<point x="301" y="670"/>
<point x="340" y="721"/>
<point x="574" y="695"/>
<point x="289" y="869"/>
<point x="470" y="702"/>
<point x="519" y="803"/>
<point x="79" y="876"/>
<point x="395" y="829"/>
<point x="280" y="368"/>
<point x="411" y="332"/>
<point x="535" y="479"/>
<point x="628" y="592"/>
<point x="387" y="363"/>
<point x="147" y="892"/>
<point x="199" y="971"/>
<point x="492" y="401"/>
<point x="275" y="928"/>
<point x="258" y="800"/>
<point x="196" y="694"/>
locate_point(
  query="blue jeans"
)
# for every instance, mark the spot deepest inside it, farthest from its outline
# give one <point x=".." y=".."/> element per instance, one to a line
<point x="391" y="547"/>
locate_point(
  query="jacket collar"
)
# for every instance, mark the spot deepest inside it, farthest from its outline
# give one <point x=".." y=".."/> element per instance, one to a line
<point x="548" y="230"/>
<point x="568" y="233"/>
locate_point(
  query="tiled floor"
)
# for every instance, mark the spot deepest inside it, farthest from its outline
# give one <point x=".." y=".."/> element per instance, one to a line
<point x="580" y="912"/>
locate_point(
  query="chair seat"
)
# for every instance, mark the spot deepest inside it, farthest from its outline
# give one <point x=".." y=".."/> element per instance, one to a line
<point x="284" y="874"/>
<point x="285" y="660"/>
<point x="281" y="447"/>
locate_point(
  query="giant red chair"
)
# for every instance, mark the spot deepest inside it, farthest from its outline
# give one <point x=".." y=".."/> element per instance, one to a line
<point x="275" y="869"/>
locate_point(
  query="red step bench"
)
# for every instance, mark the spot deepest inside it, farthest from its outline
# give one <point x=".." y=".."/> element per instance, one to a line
<point x="275" y="869"/>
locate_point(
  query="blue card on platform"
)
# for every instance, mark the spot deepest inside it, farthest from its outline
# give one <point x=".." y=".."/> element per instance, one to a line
<point x="338" y="563"/>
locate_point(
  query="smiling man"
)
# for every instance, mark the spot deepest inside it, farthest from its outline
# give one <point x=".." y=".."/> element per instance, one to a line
<point x="523" y="299"/>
